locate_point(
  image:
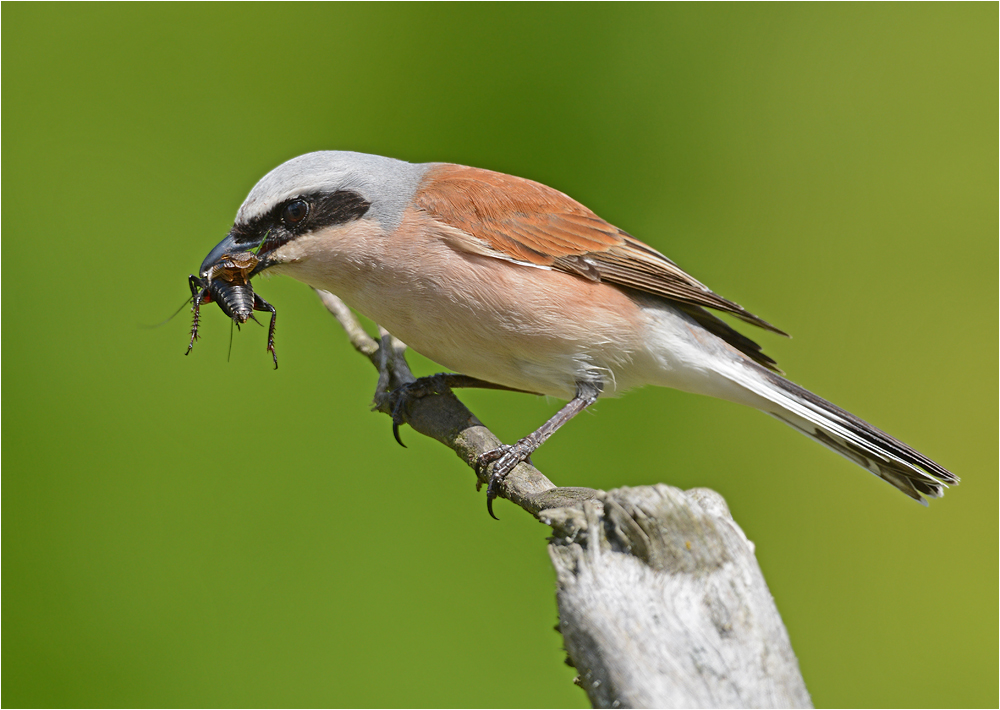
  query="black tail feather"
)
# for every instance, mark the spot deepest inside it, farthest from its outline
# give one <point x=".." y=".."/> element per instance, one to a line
<point x="888" y="458"/>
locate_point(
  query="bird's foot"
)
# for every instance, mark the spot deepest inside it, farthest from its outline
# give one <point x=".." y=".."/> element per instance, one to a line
<point x="400" y="398"/>
<point x="506" y="458"/>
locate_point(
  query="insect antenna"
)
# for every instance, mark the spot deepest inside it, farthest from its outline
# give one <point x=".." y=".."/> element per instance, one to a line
<point x="146" y="326"/>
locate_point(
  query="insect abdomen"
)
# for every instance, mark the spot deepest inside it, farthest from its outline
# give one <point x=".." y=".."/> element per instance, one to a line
<point x="235" y="300"/>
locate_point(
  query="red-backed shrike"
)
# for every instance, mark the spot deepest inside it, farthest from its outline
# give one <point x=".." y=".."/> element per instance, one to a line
<point x="512" y="282"/>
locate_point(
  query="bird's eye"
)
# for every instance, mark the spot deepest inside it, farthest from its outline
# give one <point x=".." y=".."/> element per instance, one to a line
<point x="294" y="212"/>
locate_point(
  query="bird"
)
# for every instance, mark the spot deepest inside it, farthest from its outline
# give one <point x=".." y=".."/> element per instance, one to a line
<point x="514" y="283"/>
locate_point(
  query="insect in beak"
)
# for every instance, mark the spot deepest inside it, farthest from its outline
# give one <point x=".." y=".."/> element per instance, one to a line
<point x="227" y="283"/>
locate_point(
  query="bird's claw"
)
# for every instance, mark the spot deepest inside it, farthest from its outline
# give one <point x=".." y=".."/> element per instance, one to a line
<point x="400" y="397"/>
<point x="506" y="458"/>
<point x="395" y="430"/>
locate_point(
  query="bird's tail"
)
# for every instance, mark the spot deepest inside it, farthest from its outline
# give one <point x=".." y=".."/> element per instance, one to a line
<point x="853" y="438"/>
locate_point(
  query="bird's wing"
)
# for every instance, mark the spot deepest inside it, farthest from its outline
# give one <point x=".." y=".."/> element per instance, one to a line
<point x="524" y="221"/>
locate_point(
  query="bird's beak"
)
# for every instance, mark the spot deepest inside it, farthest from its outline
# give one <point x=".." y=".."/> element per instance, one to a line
<point x="226" y="246"/>
<point x="230" y="246"/>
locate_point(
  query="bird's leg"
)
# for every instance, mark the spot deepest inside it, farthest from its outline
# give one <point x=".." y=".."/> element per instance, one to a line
<point x="507" y="457"/>
<point x="440" y="383"/>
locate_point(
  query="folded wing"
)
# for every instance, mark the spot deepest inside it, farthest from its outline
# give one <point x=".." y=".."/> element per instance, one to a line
<point x="529" y="223"/>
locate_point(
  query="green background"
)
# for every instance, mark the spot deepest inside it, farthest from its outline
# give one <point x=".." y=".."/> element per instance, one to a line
<point x="190" y="531"/>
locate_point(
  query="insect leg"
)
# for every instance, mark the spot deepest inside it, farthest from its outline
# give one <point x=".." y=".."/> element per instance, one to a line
<point x="259" y="304"/>
<point x="199" y="295"/>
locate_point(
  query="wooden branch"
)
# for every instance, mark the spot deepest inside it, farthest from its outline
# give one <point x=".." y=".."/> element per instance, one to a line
<point x="662" y="604"/>
<point x="661" y="600"/>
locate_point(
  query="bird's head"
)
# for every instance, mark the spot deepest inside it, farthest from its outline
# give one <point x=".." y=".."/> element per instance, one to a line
<point x="311" y="202"/>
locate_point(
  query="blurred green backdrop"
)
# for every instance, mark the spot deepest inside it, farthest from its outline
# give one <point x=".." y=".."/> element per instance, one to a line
<point x="187" y="531"/>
